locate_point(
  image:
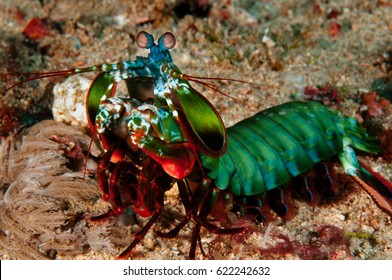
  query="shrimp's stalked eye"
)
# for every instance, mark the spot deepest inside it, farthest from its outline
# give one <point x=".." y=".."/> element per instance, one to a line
<point x="144" y="40"/>
<point x="167" y="41"/>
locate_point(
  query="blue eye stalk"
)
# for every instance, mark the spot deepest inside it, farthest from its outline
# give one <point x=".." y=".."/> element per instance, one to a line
<point x="166" y="42"/>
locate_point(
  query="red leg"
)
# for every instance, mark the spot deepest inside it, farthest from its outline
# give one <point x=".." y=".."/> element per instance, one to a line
<point x="101" y="172"/>
<point x="191" y="209"/>
<point x="185" y="201"/>
<point x="215" y="229"/>
<point x="152" y="185"/>
<point x="200" y="219"/>
<point x="195" y="237"/>
<point x="201" y="247"/>
<point x="205" y="210"/>
<point x="114" y="192"/>
<point x="140" y="235"/>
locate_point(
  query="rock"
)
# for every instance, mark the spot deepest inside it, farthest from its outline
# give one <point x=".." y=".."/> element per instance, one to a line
<point x="69" y="105"/>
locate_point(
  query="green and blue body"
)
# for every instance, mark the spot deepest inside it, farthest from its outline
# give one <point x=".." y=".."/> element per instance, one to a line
<point x="269" y="149"/>
<point x="251" y="158"/>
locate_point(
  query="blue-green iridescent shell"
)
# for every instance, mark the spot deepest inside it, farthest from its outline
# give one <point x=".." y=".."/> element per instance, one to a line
<point x="265" y="151"/>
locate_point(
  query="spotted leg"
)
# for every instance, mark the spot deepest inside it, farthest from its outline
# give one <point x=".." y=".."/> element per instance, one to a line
<point x="151" y="129"/>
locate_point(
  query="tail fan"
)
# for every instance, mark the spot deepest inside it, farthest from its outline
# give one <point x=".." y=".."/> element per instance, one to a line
<point x="379" y="188"/>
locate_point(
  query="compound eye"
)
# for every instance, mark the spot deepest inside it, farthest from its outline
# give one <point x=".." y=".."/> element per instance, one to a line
<point x="167" y="41"/>
<point x="144" y="40"/>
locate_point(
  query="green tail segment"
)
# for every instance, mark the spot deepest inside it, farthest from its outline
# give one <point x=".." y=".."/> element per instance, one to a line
<point x="269" y="149"/>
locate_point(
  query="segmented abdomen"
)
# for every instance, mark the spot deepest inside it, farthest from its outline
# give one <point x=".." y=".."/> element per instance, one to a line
<point x="268" y="149"/>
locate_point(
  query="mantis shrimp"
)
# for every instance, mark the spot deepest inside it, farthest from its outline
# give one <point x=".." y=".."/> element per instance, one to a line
<point x="177" y="136"/>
